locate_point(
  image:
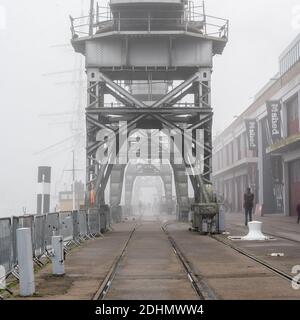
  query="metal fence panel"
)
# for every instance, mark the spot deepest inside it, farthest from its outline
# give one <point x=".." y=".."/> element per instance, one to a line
<point x="52" y="227"/>
<point x="21" y="222"/>
<point x="71" y="225"/>
<point x="66" y="225"/>
<point x="104" y="218"/>
<point x="15" y="226"/>
<point x="28" y="222"/>
<point x="94" y="221"/>
<point x="75" y="219"/>
<point x="6" y="244"/>
<point x="102" y="221"/>
<point x="116" y="213"/>
<point x="108" y="218"/>
<point x="83" y="230"/>
<point x="39" y="235"/>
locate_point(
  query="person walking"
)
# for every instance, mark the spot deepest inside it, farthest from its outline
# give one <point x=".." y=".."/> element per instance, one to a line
<point x="248" y="205"/>
<point x="298" y="211"/>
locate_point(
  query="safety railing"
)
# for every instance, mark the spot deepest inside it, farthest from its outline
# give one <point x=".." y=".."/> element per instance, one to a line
<point x="194" y="20"/>
<point x="183" y="105"/>
<point x="73" y="226"/>
<point x="6" y="244"/>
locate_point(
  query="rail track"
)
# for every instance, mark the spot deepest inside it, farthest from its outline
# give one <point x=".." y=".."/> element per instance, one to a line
<point x="273" y="234"/>
<point x="102" y="291"/>
<point x="252" y="257"/>
<point x="281" y="237"/>
<point x="200" y="288"/>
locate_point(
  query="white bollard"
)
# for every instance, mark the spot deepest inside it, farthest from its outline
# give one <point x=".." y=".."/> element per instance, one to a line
<point x="58" y="264"/>
<point x="25" y="262"/>
<point x="255" y="232"/>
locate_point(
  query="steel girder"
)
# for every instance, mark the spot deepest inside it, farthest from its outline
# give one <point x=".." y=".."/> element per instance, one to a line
<point x="140" y="170"/>
<point x="116" y="184"/>
<point x="163" y="111"/>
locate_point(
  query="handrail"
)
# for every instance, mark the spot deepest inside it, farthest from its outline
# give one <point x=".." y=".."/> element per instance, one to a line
<point x="117" y="105"/>
<point x="205" y="24"/>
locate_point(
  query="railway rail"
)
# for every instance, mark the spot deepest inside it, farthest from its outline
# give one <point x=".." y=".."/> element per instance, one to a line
<point x="102" y="291"/>
<point x="200" y="288"/>
<point x="203" y="291"/>
<point x="252" y="257"/>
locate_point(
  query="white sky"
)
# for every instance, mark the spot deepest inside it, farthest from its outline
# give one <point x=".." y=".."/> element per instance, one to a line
<point x="259" y="31"/>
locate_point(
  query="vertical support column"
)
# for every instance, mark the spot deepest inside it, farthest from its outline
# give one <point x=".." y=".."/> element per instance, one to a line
<point x="25" y="262"/>
<point x="181" y="185"/>
<point x="299" y="107"/>
<point x="260" y="166"/>
<point x="236" y="193"/>
<point x="205" y="102"/>
<point x="167" y="180"/>
<point x="286" y="186"/>
<point x="202" y="96"/>
<point x="129" y="181"/>
<point x="91" y="17"/>
<point x="284" y="124"/>
<point x="116" y="186"/>
<point x="95" y="96"/>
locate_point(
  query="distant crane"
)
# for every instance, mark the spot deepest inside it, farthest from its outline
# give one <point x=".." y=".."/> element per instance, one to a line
<point x="73" y="117"/>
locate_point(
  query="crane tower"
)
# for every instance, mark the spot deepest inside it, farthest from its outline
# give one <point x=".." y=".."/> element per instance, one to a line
<point x="149" y="65"/>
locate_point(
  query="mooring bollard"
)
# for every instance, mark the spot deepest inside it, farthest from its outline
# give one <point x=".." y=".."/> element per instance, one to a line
<point x="58" y="264"/>
<point x="255" y="232"/>
<point x="25" y="262"/>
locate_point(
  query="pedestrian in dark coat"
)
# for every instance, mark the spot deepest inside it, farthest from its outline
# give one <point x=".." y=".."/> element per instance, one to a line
<point x="248" y="205"/>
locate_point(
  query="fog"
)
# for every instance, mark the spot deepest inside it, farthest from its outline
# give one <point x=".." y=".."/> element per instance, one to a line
<point x="35" y="53"/>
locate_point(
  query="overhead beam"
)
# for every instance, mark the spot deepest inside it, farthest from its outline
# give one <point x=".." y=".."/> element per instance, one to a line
<point x="128" y="110"/>
<point x="117" y="96"/>
<point x="129" y="97"/>
<point x="174" y="126"/>
<point x="180" y="96"/>
<point x="175" y="91"/>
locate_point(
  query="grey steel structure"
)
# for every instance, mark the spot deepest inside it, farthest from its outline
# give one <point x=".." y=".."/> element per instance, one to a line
<point x="149" y="56"/>
<point x="136" y="170"/>
<point x="74" y="226"/>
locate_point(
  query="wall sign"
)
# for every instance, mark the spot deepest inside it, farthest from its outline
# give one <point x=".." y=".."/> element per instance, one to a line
<point x="274" y="119"/>
<point x="251" y="129"/>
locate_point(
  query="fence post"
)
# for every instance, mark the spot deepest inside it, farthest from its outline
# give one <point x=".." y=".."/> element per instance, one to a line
<point x="58" y="267"/>
<point x="24" y="249"/>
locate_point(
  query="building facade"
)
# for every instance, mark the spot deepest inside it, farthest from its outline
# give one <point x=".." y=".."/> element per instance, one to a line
<point x="261" y="148"/>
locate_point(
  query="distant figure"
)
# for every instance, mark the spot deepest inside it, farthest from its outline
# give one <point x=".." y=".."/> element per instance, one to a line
<point x="298" y="211"/>
<point x="248" y="205"/>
